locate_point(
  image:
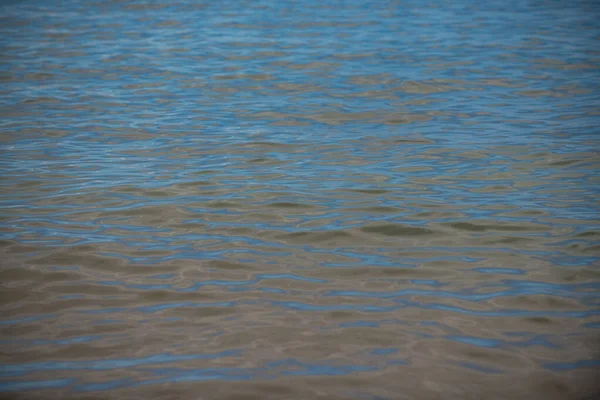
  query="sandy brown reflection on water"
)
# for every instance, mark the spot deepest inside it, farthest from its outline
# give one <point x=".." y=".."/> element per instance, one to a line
<point x="435" y="327"/>
<point x="357" y="284"/>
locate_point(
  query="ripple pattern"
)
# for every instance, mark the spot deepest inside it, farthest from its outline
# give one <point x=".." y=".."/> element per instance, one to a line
<point x="299" y="199"/>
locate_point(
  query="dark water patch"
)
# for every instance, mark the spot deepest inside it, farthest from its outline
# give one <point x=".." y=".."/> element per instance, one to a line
<point x="515" y="240"/>
<point x="588" y="234"/>
<point x="397" y="230"/>
<point x="479" y="227"/>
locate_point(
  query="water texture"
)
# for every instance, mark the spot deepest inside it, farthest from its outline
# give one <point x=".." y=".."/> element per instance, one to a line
<point x="310" y="199"/>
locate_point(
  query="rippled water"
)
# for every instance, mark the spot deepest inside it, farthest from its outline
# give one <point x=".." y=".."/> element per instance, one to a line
<point x="300" y="199"/>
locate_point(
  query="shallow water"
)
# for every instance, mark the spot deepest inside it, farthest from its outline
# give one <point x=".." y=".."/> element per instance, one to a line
<point x="300" y="199"/>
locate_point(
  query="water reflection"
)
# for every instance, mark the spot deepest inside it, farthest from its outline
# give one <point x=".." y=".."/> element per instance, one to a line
<point x="381" y="199"/>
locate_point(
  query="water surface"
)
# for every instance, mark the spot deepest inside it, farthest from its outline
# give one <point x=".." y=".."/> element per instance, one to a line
<point x="299" y="199"/>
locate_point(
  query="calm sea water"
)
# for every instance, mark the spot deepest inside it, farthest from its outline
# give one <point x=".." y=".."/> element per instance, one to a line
<point x="300" y="199"/>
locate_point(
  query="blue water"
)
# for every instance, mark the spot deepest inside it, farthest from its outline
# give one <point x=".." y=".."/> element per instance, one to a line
<point x="309" y="199"/>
